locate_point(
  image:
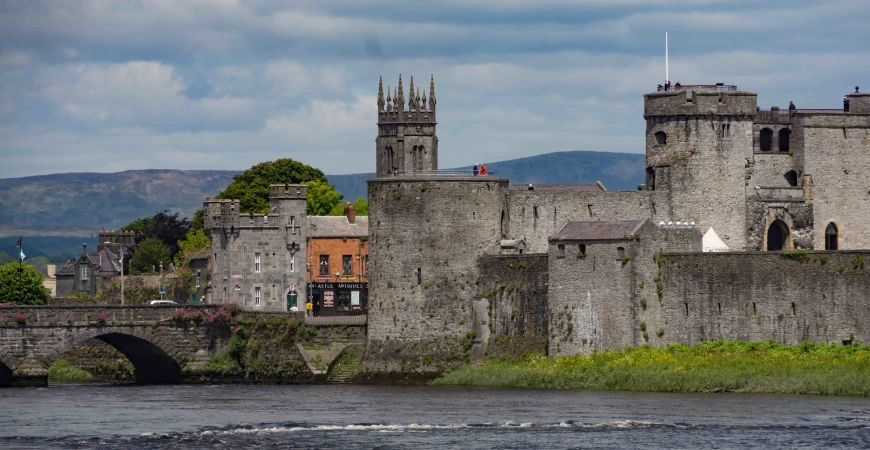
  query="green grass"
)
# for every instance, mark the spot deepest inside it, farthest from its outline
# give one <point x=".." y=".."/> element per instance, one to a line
<point x="62" y="370"/>
<point x="721" y="366"/>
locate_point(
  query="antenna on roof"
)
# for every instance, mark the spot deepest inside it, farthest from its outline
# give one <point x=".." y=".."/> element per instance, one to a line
<point x="667" y="77"/>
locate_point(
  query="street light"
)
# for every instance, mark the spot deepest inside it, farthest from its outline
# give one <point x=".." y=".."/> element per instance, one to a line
<point x="122" y="267"/>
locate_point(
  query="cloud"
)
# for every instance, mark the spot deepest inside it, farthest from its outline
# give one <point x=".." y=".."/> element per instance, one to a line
<point x="103" y="86"/>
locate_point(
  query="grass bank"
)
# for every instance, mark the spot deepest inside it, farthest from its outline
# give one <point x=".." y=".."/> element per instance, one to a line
<point x="721" y="366"/>
<point x="62" y="370"/>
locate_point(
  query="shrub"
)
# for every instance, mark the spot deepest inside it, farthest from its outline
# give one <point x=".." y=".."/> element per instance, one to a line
<point x="800" y="256"/>
<point x="102" y="317"/>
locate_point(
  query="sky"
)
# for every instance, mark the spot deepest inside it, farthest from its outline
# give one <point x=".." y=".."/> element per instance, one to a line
<point x="106" y="86"/>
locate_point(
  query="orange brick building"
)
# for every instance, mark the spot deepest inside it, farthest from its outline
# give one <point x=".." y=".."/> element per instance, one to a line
<point x="337" y="262"/>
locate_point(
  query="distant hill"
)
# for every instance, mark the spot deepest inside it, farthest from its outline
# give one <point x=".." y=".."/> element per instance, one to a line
<point x="62" y="211"/>
<point x="617" y="171"/>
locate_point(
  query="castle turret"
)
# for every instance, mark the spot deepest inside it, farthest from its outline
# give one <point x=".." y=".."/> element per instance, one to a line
<point x="698" y="141"/>
<point x="406" y="141"/>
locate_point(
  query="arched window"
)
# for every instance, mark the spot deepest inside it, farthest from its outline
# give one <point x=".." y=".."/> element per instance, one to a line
<point x="831" y="237"/>
<point x="420" y="158"/>
<point x="389" y="159"/>
<point x="661" y="138"/>
<point x="777" y="236"/>
<point x="791" y="177"/>
<point x="766" y="138"/>
<point x="414" y="158"/>
<point x="784" y="137"/>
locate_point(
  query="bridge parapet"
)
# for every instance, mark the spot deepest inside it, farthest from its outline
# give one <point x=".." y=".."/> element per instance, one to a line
<point x="58" y="315"/>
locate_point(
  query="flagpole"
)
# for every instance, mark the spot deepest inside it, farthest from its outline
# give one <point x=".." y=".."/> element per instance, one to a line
<point x="667" y="75"/>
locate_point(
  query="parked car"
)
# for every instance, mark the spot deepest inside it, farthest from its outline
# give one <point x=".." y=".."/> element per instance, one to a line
<point x="162" y="302"/>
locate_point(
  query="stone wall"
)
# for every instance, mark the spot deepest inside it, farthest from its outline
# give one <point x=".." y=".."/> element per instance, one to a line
<point x="761" y="296"/>
<point x="515" y="289"/>
<point x="598" y="300"/>
<point x="835" y="152"/>
<point x="425" y="236"/>
<point x="536" y="215"/>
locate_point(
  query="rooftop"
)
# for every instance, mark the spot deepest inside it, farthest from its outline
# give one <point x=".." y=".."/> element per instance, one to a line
<point x="338" y="226"/>
<point x="596" y="231"/>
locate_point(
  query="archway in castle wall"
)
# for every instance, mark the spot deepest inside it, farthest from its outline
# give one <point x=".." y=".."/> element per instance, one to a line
<point x="766" y="138"/>
<point x="777" y="236"/>
<point x="5" y="375"/>
<point x="784" y="140"/>
<point x="152" y="364"/>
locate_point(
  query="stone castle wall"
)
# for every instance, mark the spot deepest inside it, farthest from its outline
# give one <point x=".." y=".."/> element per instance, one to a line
<point x="425" y="235"/>
<point x="515" y="291"/>
<point x="536" y="215"/>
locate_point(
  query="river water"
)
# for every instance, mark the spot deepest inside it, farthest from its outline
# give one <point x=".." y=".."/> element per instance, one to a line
<point x="396" y="417"/>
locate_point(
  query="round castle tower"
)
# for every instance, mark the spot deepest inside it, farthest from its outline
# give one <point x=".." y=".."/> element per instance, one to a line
<point x="426" y="231"/>
<point x="698" y="143"/>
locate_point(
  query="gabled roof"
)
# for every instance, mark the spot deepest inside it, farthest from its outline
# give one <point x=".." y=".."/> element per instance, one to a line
<point x="598" y="231"/>
<point x="204" y="254"/>
<point x="338" y="226"/>
<point x="104" y="261"/>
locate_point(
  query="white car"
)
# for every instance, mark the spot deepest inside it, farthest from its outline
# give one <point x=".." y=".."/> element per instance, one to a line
<point x="162" y="302"/>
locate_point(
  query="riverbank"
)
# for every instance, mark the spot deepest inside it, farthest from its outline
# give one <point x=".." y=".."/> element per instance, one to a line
<point x="721" y="366"/>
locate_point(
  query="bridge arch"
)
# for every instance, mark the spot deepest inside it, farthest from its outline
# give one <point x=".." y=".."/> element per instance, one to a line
<point x="5" y="375"/>
<point x="152" y="363"/>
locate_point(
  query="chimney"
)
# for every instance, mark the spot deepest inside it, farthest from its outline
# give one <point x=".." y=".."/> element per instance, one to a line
<point x="51" y="269"/>
<point x="84" y="249"/>
<point x="350" y="213"/>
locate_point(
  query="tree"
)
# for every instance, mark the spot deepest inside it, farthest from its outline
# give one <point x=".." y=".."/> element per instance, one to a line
<point x="169" y="229"/>
<point x="150" y="252"/>
<point x="360" y="205"/>
<point x="322" y="198"/>
<point x="31" y="290"/>
<point x="195" y="242"/>
<point x="251" y="187"/>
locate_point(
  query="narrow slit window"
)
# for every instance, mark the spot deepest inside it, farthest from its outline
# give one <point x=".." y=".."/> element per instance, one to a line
<point x="419" y="276"/>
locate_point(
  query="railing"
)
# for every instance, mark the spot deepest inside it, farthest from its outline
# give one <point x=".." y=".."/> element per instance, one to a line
<point x="699" y="88"/>
<point x="438" y="173"/>
<point x="776" y="116"/>
<point x="785" y="115"/>
<point x="359" y="319"/>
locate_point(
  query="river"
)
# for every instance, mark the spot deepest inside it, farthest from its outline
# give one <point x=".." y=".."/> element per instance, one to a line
<point x="418" y="417"/>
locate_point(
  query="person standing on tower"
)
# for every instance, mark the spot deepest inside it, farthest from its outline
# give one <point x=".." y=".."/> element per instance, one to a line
<point x="791" y="107"/>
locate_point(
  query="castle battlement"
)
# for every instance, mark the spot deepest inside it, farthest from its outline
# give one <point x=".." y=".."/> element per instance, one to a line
<point x="288" y="191"/>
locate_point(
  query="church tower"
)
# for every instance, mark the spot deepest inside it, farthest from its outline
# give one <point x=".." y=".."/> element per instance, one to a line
<point x="406" y="140"/>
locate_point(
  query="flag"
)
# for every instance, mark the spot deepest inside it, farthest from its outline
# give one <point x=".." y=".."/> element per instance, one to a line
<point x="22" y="254"/>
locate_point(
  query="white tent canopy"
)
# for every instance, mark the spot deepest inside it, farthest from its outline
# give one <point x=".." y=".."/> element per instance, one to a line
<point x="712" y="243"/>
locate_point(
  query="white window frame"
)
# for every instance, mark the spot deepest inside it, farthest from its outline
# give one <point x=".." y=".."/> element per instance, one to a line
<point x="292" y="262"/>
<point x="257" y="296"/>
<point x="256" y="263"/>
<point x="85" y="273"/>
<point x="198" y="278"/>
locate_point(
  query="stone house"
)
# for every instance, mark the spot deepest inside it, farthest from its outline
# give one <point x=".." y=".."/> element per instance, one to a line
<point x="86" y="274"/>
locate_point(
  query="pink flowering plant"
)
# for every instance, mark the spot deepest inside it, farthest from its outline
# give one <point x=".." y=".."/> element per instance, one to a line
<point x="21" y="318"/>
<point x="223" y="315"/>
<point x="102" y="317"/>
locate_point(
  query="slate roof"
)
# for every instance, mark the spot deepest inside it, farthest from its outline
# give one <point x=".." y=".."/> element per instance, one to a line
<point x="560" y="187"/>
<point x="104" y="261"/>
<point x="338" y="226"/>
<point x="601" y="230"/>
<point x="204" y="254"/>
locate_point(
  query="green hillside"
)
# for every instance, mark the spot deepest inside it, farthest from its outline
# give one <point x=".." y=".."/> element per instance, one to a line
<point x="59" y="212"/>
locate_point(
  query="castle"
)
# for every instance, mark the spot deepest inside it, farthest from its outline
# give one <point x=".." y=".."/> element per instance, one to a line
<point x="466" y="266"/>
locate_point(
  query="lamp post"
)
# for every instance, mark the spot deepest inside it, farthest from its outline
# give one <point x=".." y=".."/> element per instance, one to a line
<point x="20" y="271"/>
<point x="122" y="267"/>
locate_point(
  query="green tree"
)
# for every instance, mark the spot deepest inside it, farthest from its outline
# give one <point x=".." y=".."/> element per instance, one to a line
<point x="195" y="242"/>
<point x="164" y="226"/>
<point x="5" y="258"/>
<point x="360" y="205"/>
<point x="30" y="291"/>
<point x="149" y="253"/>
<point x="251" y="187"/>
<point x="322" y="198"/>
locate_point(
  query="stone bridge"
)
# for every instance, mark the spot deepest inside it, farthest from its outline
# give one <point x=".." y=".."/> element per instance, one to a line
<point x="161" y="350"/>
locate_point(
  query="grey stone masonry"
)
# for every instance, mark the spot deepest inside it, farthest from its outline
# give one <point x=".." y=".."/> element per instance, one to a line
<point x="257" y="258"/>
<point x="406" y="140"/>
<point x="160" y="349"/>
